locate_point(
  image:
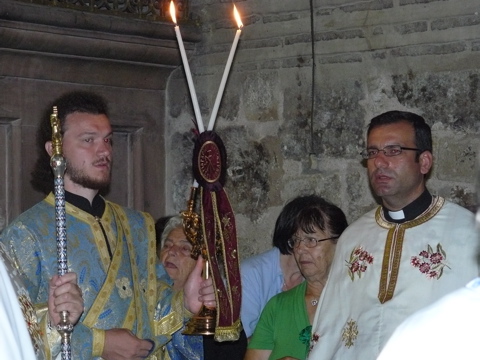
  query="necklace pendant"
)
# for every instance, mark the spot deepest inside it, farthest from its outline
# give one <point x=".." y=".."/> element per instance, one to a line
<point x="314" y="302"/>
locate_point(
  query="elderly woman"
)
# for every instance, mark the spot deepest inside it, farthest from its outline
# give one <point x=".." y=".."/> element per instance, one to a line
<point x="174" y="253"/>
<point x="284" y="328"/>
<point x="173" y="250"/>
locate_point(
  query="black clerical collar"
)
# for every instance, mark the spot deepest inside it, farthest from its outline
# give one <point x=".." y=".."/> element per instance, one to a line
<point x="411" y="211"/>
<point x="96" y="208"/>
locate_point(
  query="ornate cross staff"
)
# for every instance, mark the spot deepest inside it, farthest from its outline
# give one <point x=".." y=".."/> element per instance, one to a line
<point x="57" y="162"/>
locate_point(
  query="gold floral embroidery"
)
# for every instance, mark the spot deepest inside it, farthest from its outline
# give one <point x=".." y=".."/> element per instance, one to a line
<point x="124" y="288"/>
<point x="350" y="333"/>
<point x="31" y="319"/>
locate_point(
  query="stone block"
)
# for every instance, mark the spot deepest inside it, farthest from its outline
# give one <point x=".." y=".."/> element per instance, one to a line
<point x="271" y="64"/>
<point x="411" y="2"/>
<point x="341" y="59"/>
<point x="368" y="6"/>
<point x="450" y="99"/>
<point x="260" y="97"/>
<point x="338" y="125"/>
<point x="378" y="30"/>
<point x="300" y="185"/>
<point x="248" y="167"/>
<point x="463" y="196"/>
<point x="429" y="49"/>
<point x="298" y="61"/>
<point x="455" y="160"/>
<point x="339" y="35"/>
<point x="300" y="38"/>
<point x="411" y="28"/>
<point x="281" y="17"/>
<point x="454" y="22"/>
<point x="475" y="46"/>
<point x="262" y="43"/>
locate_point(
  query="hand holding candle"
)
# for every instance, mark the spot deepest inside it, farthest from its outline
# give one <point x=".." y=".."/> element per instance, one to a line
<point x="213" y="116"/>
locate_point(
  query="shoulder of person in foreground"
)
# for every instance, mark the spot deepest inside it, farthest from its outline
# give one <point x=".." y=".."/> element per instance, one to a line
<point x="447" y="329"/>
<point x="15" y="342"/>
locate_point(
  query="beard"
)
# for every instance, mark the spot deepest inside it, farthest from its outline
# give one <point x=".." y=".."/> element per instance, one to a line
<point x="79" y="177"/>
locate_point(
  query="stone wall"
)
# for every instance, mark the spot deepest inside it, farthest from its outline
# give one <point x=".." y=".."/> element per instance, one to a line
<point x="287" y="135"/>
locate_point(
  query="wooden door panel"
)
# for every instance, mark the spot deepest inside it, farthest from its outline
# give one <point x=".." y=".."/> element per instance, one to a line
<point x="10" y="169"/>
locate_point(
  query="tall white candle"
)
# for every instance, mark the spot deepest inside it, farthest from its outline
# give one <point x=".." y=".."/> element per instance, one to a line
<point x="191" y="87"/>
<point x="221" y="88"/>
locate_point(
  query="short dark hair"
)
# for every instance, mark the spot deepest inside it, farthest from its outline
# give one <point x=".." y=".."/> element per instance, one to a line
<point x="71" y="102"/>
<point x="307" y="212"/>
<point x="323" y="215"/>
<point x="423" y="133"/>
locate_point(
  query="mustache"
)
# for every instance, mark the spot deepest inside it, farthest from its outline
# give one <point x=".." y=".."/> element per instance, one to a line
<point x="102" y="161"/>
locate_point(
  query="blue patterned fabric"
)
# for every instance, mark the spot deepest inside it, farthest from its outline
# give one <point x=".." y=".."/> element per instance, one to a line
<point x="119" y="293"/>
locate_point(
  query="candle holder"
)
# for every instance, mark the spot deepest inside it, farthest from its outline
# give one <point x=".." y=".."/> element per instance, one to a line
<point x="202" y="323"/>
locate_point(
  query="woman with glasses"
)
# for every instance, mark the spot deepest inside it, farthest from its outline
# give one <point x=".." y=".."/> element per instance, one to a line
<point x="284" y="327"/>
<point x="273" y="271"/>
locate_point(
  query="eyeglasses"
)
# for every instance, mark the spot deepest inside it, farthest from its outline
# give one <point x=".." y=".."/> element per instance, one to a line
<point x="184" y="249"/>
<point x="389" y="150"/>
<point x="309" y="242"/>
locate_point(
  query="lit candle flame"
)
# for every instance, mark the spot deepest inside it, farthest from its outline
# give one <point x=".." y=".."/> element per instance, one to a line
<point x="172" y="12"/>
<point x="237" y="17"/>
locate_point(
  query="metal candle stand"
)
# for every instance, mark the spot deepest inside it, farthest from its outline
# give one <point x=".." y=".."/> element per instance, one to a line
<point x="202" y="323"/>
